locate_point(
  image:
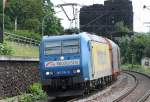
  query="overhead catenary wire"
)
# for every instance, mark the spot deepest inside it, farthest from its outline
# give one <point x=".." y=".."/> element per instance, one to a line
<point x="93" y="20"/>
<point x="98" y="17"/>
<point x="72" y="19"/>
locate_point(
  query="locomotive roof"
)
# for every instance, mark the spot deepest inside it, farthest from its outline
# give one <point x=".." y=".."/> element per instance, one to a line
<point x="85" y="35"/>
<point x="59" y="37"/>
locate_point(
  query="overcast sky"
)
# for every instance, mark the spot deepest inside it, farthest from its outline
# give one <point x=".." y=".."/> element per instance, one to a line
<point x="140" y="15"/>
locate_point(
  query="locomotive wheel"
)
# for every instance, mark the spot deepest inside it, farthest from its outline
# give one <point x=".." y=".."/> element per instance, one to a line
<point x="86" y="91"/>
<point x="86" y="88"/>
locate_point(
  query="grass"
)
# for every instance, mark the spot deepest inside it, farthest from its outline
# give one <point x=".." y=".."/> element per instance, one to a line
<point x="137" y="68"/>
<point x="23" y="50"/>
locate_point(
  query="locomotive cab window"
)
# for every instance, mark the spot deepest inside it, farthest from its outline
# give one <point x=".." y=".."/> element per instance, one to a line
<point x="52" y="48"/>
<point x="71" y="46"/>
<point x="62" y="47"/>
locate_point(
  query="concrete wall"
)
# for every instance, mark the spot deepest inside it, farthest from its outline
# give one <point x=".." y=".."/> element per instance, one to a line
<point x="16" y="74"/>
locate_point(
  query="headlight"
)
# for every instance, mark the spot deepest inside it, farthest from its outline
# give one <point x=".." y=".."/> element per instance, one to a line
<point x="47" y="73"/>
<point x="78" y="70"/>
<point x="62" y="58"/>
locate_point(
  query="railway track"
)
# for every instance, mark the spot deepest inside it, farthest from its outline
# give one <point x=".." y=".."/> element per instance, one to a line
<point x="139" y="92"/>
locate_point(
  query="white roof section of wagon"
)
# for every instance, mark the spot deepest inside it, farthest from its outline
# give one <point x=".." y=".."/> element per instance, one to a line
<point x="97" y="38"/>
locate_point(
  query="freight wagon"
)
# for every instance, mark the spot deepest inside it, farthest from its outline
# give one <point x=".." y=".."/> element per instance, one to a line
<point x="75" y="64"/>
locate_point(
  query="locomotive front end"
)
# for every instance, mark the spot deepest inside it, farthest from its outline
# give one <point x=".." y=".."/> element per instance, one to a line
<point x="62" y="58"/>
<point x="60" y="64"/>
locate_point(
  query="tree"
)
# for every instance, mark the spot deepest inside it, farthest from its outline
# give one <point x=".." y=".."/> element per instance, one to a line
<point x="28" y="15"/>
<point x="125" y="49"/>
<point x="147" y="48"/>
<point x="1" y="6"/>
<point x="32" y="24"/>
<point x="138" y="46"/>
<point x="120" y="27"/>
<point x="15" y="11"/>
<point x="1" y="21"/>
<point x="20" y="10"/>
<point x="52" y="26"/>
<point x="147" y="51"/>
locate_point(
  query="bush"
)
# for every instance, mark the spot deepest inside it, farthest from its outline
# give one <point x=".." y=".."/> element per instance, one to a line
<point x="36" y="90"/>
<point x="5" y="49"/>
<point x="35" y="93"/>
<point x="26" y="98"/>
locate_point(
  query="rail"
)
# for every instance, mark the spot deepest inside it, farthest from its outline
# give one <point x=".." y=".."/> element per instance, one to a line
<point x="127" y="93"/>
<point x="147" y="94"/>
<point x="144" y="97"/>
<point x="21" y="39"/>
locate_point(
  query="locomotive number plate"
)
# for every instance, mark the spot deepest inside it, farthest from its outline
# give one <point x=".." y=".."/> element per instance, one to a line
<point x="62" y="63"/>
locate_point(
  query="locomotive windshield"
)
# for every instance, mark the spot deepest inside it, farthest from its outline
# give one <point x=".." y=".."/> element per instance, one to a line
<point x="52" y="48"/>
<point x="70" y="46"/>
<point x="62" y="47"/>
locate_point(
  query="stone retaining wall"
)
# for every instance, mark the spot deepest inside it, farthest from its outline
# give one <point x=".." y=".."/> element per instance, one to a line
<point x="16" y="74"/>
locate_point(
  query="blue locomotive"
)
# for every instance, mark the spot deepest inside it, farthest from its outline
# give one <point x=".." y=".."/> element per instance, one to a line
<point x="77" y="62"/>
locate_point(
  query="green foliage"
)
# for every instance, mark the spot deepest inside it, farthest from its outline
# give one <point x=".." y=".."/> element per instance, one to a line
<point x="52" y="26"/>
<point x="1" y="6"/>
<point x="26" y="98"/>
<point x="1" y="22"/>
<point x="8" y="24"/>
<point x="5" y="49"/>
<point x="147" y="51"/>
<point x="24" y="9"/>
<point x="137" y="46"/>
<point x="29" y="15"/>
<point x="120" y="27"/>
<point x="32" y="24"/>
<point x="125" y="50"/>
<point x="134" y="48"/>
<point x="35" y="93"/>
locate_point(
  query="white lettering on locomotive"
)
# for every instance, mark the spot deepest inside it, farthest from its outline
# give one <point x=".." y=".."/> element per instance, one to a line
<point x="62" y="63"/>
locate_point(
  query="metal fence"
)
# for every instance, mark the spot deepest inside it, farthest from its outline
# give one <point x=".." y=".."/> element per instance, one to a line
<point x="21" y="39"/>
